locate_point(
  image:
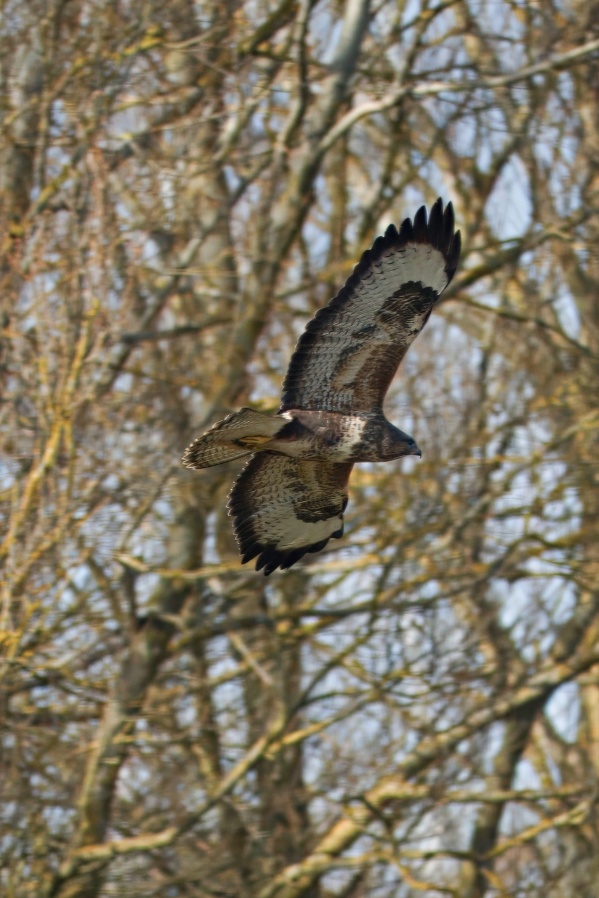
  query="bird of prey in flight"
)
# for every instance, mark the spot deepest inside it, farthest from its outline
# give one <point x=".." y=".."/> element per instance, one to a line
<point x="290" y="497"/>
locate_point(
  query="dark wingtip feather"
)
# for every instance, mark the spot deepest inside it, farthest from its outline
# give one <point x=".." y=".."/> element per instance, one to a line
<point x="421" y="231"/>
<point x="453" y="254"/>
<point x="439" y="232"/>
<point x="269" y="559"/>
<point x="448" y="224"/>
<point x="435" y="225"/>
<point x="406" y="231"/>
<point x="440" y="226"/>
<point x="391" y="233"/>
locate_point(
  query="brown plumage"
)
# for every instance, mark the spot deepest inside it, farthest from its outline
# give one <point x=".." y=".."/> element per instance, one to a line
<point x="290" y="497"/>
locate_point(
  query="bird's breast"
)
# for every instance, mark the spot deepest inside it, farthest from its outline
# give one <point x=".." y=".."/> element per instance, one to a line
<point x="321" y="434"/>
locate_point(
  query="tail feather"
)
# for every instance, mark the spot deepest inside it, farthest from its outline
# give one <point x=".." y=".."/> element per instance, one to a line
<point x="239" y="434"/>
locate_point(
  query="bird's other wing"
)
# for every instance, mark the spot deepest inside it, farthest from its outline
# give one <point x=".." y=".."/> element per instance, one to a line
<point x="347" y="356"/>
<point x="284" y="507"/>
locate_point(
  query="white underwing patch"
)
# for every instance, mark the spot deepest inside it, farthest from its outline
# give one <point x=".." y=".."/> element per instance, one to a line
<point x="294" y="533"/>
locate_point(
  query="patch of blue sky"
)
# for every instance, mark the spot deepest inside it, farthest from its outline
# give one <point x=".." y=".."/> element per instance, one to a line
<point x="526" y="610"/>
<point x="516" y="817"/>
<point x="147" y="545"/>
<point x="232" y="177"/>
<point x="58" y="818"/>
<point x="210" y="551"/>
<point x="129" y="122"/>
<point x="227" y="701"/>
<point x="526" y="776"/>
<point x="414" y="195"/>
<point x="315" y="231"/>
<point x="136" y="775"/>
<point x="443" y="829"/>
<point x="431" y="636"/>
<point x="324" y="31"/>
<point x="355" y="592"/>
<point x="539" y="479"/>
<point x="10" y="468"/>
<point x="568" y="312"/>
<point x="222" y="667"/>
<point x="563" y="709"/>
<point x="121" y="524"/>
<point x="509" y="207"/>
<point x="41" y="290"/>
<point x="440" y="51"/>
<point x="497" y="17"/>
<point x="167" y="191"/>
<point x="565" y="91"/>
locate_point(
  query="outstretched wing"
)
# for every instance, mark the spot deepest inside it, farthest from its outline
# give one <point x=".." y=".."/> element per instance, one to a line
<point x="284" y="507"/>
<point x="349" y="352"/>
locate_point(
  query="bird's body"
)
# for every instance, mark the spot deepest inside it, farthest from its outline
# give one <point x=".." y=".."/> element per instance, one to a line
<point x="336" y="437"/>
<point x="290" y="497"/>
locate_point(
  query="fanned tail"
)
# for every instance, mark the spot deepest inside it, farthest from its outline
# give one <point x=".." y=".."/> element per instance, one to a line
<point x="239" y="434"/>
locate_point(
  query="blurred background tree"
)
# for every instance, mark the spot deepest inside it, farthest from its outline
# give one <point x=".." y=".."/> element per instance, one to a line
<point x="416" y="710"/>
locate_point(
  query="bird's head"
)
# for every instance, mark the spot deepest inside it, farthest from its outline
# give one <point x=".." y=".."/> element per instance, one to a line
<point x="397" y="444"/>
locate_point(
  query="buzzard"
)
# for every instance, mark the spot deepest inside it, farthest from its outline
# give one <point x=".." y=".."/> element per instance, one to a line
<point x="290" y="497"/>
